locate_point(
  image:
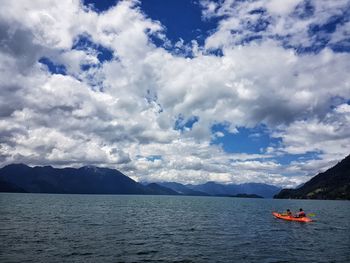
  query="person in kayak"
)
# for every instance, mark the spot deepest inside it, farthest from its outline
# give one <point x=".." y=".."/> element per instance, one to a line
<point x="289" y="213"/>
<point x="301" y="213"/>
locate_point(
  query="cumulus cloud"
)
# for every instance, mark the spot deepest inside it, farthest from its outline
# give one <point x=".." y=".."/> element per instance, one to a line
<point x="300" y="24"/>
<point x="329" y="135"/>
<point x="119" y="112"/>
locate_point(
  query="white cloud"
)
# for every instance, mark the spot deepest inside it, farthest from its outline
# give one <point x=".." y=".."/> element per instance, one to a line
<point x="286" y="21"/>
<point x="120" y="112"/>
<point x="329" y="136"/>
<point x="282" y="8"/>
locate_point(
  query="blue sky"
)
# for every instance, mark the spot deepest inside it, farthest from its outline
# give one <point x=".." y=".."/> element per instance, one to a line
<point x="186" y="91"/>
<point x="182" y="19"/>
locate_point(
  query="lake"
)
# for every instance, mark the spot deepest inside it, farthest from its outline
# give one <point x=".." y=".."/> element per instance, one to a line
<point x="116" y="228"/>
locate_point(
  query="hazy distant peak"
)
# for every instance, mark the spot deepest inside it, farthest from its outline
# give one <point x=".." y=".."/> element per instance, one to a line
<point x="18" y="165"/>
<point x="89" y="167"/>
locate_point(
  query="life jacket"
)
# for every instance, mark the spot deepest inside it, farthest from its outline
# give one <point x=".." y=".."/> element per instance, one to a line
<point x="301" y="214"/>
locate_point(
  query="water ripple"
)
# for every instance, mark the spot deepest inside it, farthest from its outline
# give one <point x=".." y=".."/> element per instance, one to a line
<point x="83" y="228"/>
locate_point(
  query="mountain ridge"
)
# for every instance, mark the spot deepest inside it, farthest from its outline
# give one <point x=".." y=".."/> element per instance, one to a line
<point x="100" y="180"/>
<point x="83" y="180"/>
<point x="213" y="188"/>
<point x="331" y="184"/>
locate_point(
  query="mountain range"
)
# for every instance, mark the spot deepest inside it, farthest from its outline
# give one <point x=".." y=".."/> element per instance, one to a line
<point x="216" y="189"/>
<point x="331" y="184"/>
<point x="213" y="188"/>
<point x="84" y="180"/>
<point x="95" y="180"/>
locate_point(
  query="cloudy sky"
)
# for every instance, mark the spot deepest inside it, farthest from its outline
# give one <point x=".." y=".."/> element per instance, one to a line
<point x="188" y="91"/>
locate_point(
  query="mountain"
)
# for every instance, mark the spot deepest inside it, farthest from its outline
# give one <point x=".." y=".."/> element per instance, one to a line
<point x="10" y="188"/>
<point x="264" y="190"/>
<point x="162" y="190"/>
<point x="332" y="184"/>
<point x="247" y="196"/>
<point x="95" y="180"/>
<point x="84" y="180"/>
<point x="182" y="189"/>
<point x="213" y="188"/>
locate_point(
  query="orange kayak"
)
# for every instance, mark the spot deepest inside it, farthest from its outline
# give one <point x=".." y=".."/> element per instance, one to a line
<point x="291" y="218"/>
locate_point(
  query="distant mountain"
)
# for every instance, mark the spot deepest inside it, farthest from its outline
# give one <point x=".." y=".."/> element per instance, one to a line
<point x="95" y="180"/>
<point x="247" y="196"/>
<point x="213" y="188"/>
<point x="84" y="180"/>
<point x="11" y="188"/>
<point x="264" y="190"/>
<point x="182" y="189"/>
<point x="332" y="184"/>
<point x="162" y="190"/>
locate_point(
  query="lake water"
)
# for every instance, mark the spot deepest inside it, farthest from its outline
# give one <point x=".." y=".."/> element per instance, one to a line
<point x="112" y="228"/>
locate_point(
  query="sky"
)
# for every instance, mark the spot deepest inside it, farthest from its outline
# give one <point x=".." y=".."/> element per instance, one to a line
<point x="190" y="91"/>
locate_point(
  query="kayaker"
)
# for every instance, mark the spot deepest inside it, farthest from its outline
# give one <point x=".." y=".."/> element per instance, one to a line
<point x="289" y="213"/>
<point x="301" y="213"/>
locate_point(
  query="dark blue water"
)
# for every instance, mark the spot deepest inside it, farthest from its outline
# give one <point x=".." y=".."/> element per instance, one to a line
<point x="97" y="228"/>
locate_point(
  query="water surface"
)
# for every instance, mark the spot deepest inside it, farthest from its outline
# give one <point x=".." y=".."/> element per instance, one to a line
<point x="112" y="228"/>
